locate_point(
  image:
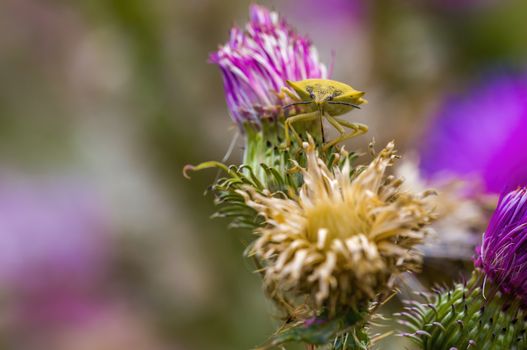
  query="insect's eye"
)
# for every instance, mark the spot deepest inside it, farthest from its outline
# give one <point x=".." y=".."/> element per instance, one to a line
<point x="309" y="89"/>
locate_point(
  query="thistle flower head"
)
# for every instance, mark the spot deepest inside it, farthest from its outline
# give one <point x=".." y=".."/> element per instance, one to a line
<point x="480" y="311"/>
<point x="503" y="252"/>
<point x="343" y="236"/>
<point x="54" y="251"/>
<point x="256" y="63"/>
<point x="46" y="227"/>
<point x="481" y="132"/>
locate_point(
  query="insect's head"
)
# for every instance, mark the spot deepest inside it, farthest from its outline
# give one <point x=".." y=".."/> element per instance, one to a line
<point x="324" y="91"/>
<point x="305" y="92"/>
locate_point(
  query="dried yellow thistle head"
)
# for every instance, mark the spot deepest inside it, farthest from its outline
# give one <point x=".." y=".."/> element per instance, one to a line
<point x="342" y="239"/>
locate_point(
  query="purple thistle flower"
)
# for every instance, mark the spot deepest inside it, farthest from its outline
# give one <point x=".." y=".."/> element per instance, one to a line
<point x="481" y="133"/>
<point x="54" y="251"/>
<point x="256" y="63"/>
<point x="503" y="252"/>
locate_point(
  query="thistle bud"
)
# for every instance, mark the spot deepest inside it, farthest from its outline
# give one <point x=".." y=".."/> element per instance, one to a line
<point x="489" y="311"/>
<point x="256" y="62"/>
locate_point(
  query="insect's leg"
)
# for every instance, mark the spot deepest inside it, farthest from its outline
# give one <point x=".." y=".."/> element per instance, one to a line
<point x="357" y="129"/>
<point x="297" y="118"/>
<point x="363" y="127"/>
<point x="335" y="122"/>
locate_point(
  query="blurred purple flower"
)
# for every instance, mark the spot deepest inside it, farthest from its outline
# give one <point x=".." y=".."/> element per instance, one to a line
<point x="330" y="14"/>
<point x="503" y="252"/>
<point x="481" y="133"/>
<point x="53" y="251"/>
<point x="256" y="63"/>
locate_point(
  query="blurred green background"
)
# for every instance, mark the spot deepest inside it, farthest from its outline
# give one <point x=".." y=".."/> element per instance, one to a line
<point x="118" y="96"/>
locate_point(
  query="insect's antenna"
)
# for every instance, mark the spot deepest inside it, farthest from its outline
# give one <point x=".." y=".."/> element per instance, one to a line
<point x="343" y="103"/>
<point x="231" y="146"/>
<point x="228" y="153"/>
<point x="297" y="103"/>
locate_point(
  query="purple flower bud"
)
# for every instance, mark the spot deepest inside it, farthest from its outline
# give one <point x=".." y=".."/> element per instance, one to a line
<point x="256" y="63"/>
<point x="503" y="252"/>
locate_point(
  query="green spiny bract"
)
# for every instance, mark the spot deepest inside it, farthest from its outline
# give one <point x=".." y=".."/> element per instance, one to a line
<point x="472" y="315"/>
<point x="266" y="167"/>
